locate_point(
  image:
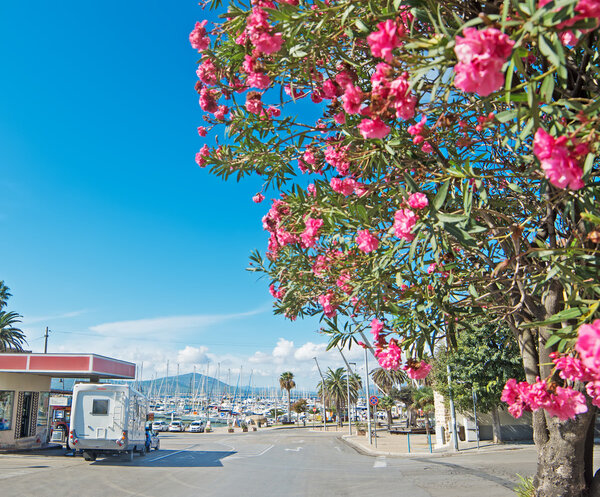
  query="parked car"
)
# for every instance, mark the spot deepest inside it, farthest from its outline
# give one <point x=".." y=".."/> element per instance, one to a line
<point x="176" y="426"/>
<point x="197" y="427"/>
<point x="160" y="426"/>
<point x="152" y="440"/>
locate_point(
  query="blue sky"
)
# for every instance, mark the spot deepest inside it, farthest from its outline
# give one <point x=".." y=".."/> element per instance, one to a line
<point x="112" y="236"/>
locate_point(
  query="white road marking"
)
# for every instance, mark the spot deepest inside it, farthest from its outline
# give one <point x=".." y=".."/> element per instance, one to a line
<point x="297" y="449"/>
<point x="380" y="462"/>
<point x="244" y="456"/>
<point x="172" y="453"/>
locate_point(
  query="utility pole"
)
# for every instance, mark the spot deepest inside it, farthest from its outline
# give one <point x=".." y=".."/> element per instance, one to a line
<point x="367" y="394"/>
<point x="46" y="341"/>
<point x="452" y="412"/>
<point x="323" y="394"/>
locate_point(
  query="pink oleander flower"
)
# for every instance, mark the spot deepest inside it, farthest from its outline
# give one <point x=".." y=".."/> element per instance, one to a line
<point x="431" y="268"/>
<point x="222" y="111"/>
<point x="258" y="80"/>
<point x="202" y="131"/>
<point x="273" y="111"/>
<point x="339" y="118"/>
<point x="418" y="200"/>
<point x="376" y="328"/>
<point x="254" y="103"/>
<point x="278" y="294"/>
<point x="258" y="198"/>
<point x="385" y="39"/>
<point x="404" y="222"/>
<point x="481" y="55"/>
<point x="330" y="89"/>
<point x="198" y="38"/>
<point x="268" y="43"/>
<point x="427" y="148"/>
<point x="588" y="346"/>
<point x="311" y="232"/>
<point x="200" y="160"/>
<point x="389" y="358"/>
<point x="204" y="151"/>
<point x="352" y="99"/>
<point x="207" y="72"/>
<point x="404" y="101"/>
<point x="571" y="368"/>
<point x="566" y="403"/>
<point x="342" y="283"/>
<point x="373" y="128"/>
<point x="558" y="160"/>
<point x="417" y="370"/>
<point x="593" y="390"/>
<point x="345" y="187"/>
<point x="328" y="309"/>
<point x="312" y="189"/>
<point x="513" y="395"/>
<point x="208" y="102"/>
<point x="366" y="241"/>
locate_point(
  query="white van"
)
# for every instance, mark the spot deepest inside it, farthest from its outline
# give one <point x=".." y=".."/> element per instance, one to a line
<point x="107" y="419"/>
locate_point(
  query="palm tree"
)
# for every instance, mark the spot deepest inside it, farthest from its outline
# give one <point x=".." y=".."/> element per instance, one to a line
<point x="286" y="382"/>
<point x="386" y="380"/>
<point x="423" y="399"/>
<point x="11" y="338"/>
<point x="387" y="403"/>
<point x="4" y="294"/>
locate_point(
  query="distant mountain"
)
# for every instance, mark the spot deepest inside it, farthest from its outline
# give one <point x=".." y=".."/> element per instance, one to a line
<point x="182" y="385"/>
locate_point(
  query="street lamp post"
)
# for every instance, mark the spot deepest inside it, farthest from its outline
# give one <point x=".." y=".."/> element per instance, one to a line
<point x="367" y="394"/>
<point x="323" y="394"/>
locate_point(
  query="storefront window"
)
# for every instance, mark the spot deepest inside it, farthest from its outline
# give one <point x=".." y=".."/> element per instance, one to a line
<point x="6" y="409"/>
<point x="42" y="415"/>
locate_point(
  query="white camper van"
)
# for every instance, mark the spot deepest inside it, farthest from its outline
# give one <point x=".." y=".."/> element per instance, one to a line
<point x="107" y="419"/>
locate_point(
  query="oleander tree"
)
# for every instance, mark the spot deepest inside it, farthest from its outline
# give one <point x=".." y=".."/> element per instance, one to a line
<point x="429" y="162"/>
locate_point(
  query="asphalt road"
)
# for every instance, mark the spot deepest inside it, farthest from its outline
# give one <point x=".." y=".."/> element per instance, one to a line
<point x="269" y="463"/>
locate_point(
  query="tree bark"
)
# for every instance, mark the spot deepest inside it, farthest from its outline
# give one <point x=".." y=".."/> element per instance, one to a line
<point x="496" y="428"/>
<point x="562" y="458"/>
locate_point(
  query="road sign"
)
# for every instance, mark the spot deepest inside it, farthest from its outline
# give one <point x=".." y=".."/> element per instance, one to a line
<point x="373" y="400"/>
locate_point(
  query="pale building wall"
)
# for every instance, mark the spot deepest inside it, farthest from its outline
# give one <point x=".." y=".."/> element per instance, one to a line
<point x="23" y="382"/>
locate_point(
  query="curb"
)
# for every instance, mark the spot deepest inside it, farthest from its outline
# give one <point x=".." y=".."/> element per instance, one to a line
<point x="366" y="451"/>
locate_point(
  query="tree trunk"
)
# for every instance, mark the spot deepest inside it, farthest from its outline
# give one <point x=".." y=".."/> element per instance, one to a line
<point x="562" y="458"/>
<point x="389" y="418"/>
<point x="289" y="417"/>
<point x="496" y="428"/>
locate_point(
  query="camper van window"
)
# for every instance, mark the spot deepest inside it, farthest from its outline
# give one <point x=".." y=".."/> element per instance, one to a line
<point x="100" y="406"/>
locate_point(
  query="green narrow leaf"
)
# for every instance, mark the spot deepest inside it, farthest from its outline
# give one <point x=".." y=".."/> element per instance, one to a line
<point x="441" y="195"/>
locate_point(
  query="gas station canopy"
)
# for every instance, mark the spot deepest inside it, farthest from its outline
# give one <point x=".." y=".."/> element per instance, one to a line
<point x="67" y="365"/>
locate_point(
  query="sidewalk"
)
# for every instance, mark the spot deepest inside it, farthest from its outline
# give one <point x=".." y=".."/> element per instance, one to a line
<point x="398" y="445"/>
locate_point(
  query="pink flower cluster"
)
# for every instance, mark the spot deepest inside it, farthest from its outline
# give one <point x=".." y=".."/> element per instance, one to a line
<point x="277" y="294"/>
<point x="481" y="55"/>
<point x="404" y="222"/>
<point x="329" y="309"/>
<point x="418" y="200"/>
<point x="417" y="370"/>
<point x="337" y="155"/>
<point x="563" y="402"/>
<point x="560" y="159"/>
<point x="387" y="37"/>
<point x="260" y="33"/>
<point x="311" y="232"/>
<point x="389" y="358"/>
<point x="366" y="241"/>
<point x="198" y="37"/>
<point x="586" y="9"/>
<point x="273" y="223"/>
<point x="418" y="133"/>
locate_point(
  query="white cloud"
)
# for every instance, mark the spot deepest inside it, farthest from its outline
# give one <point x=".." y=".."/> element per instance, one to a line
<point x="310" y="350"/>
<point x="28" y="321"/>
<point x="170" y="324"/>
<point x="283" y="349"/>
<point x="193" y="355"/>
